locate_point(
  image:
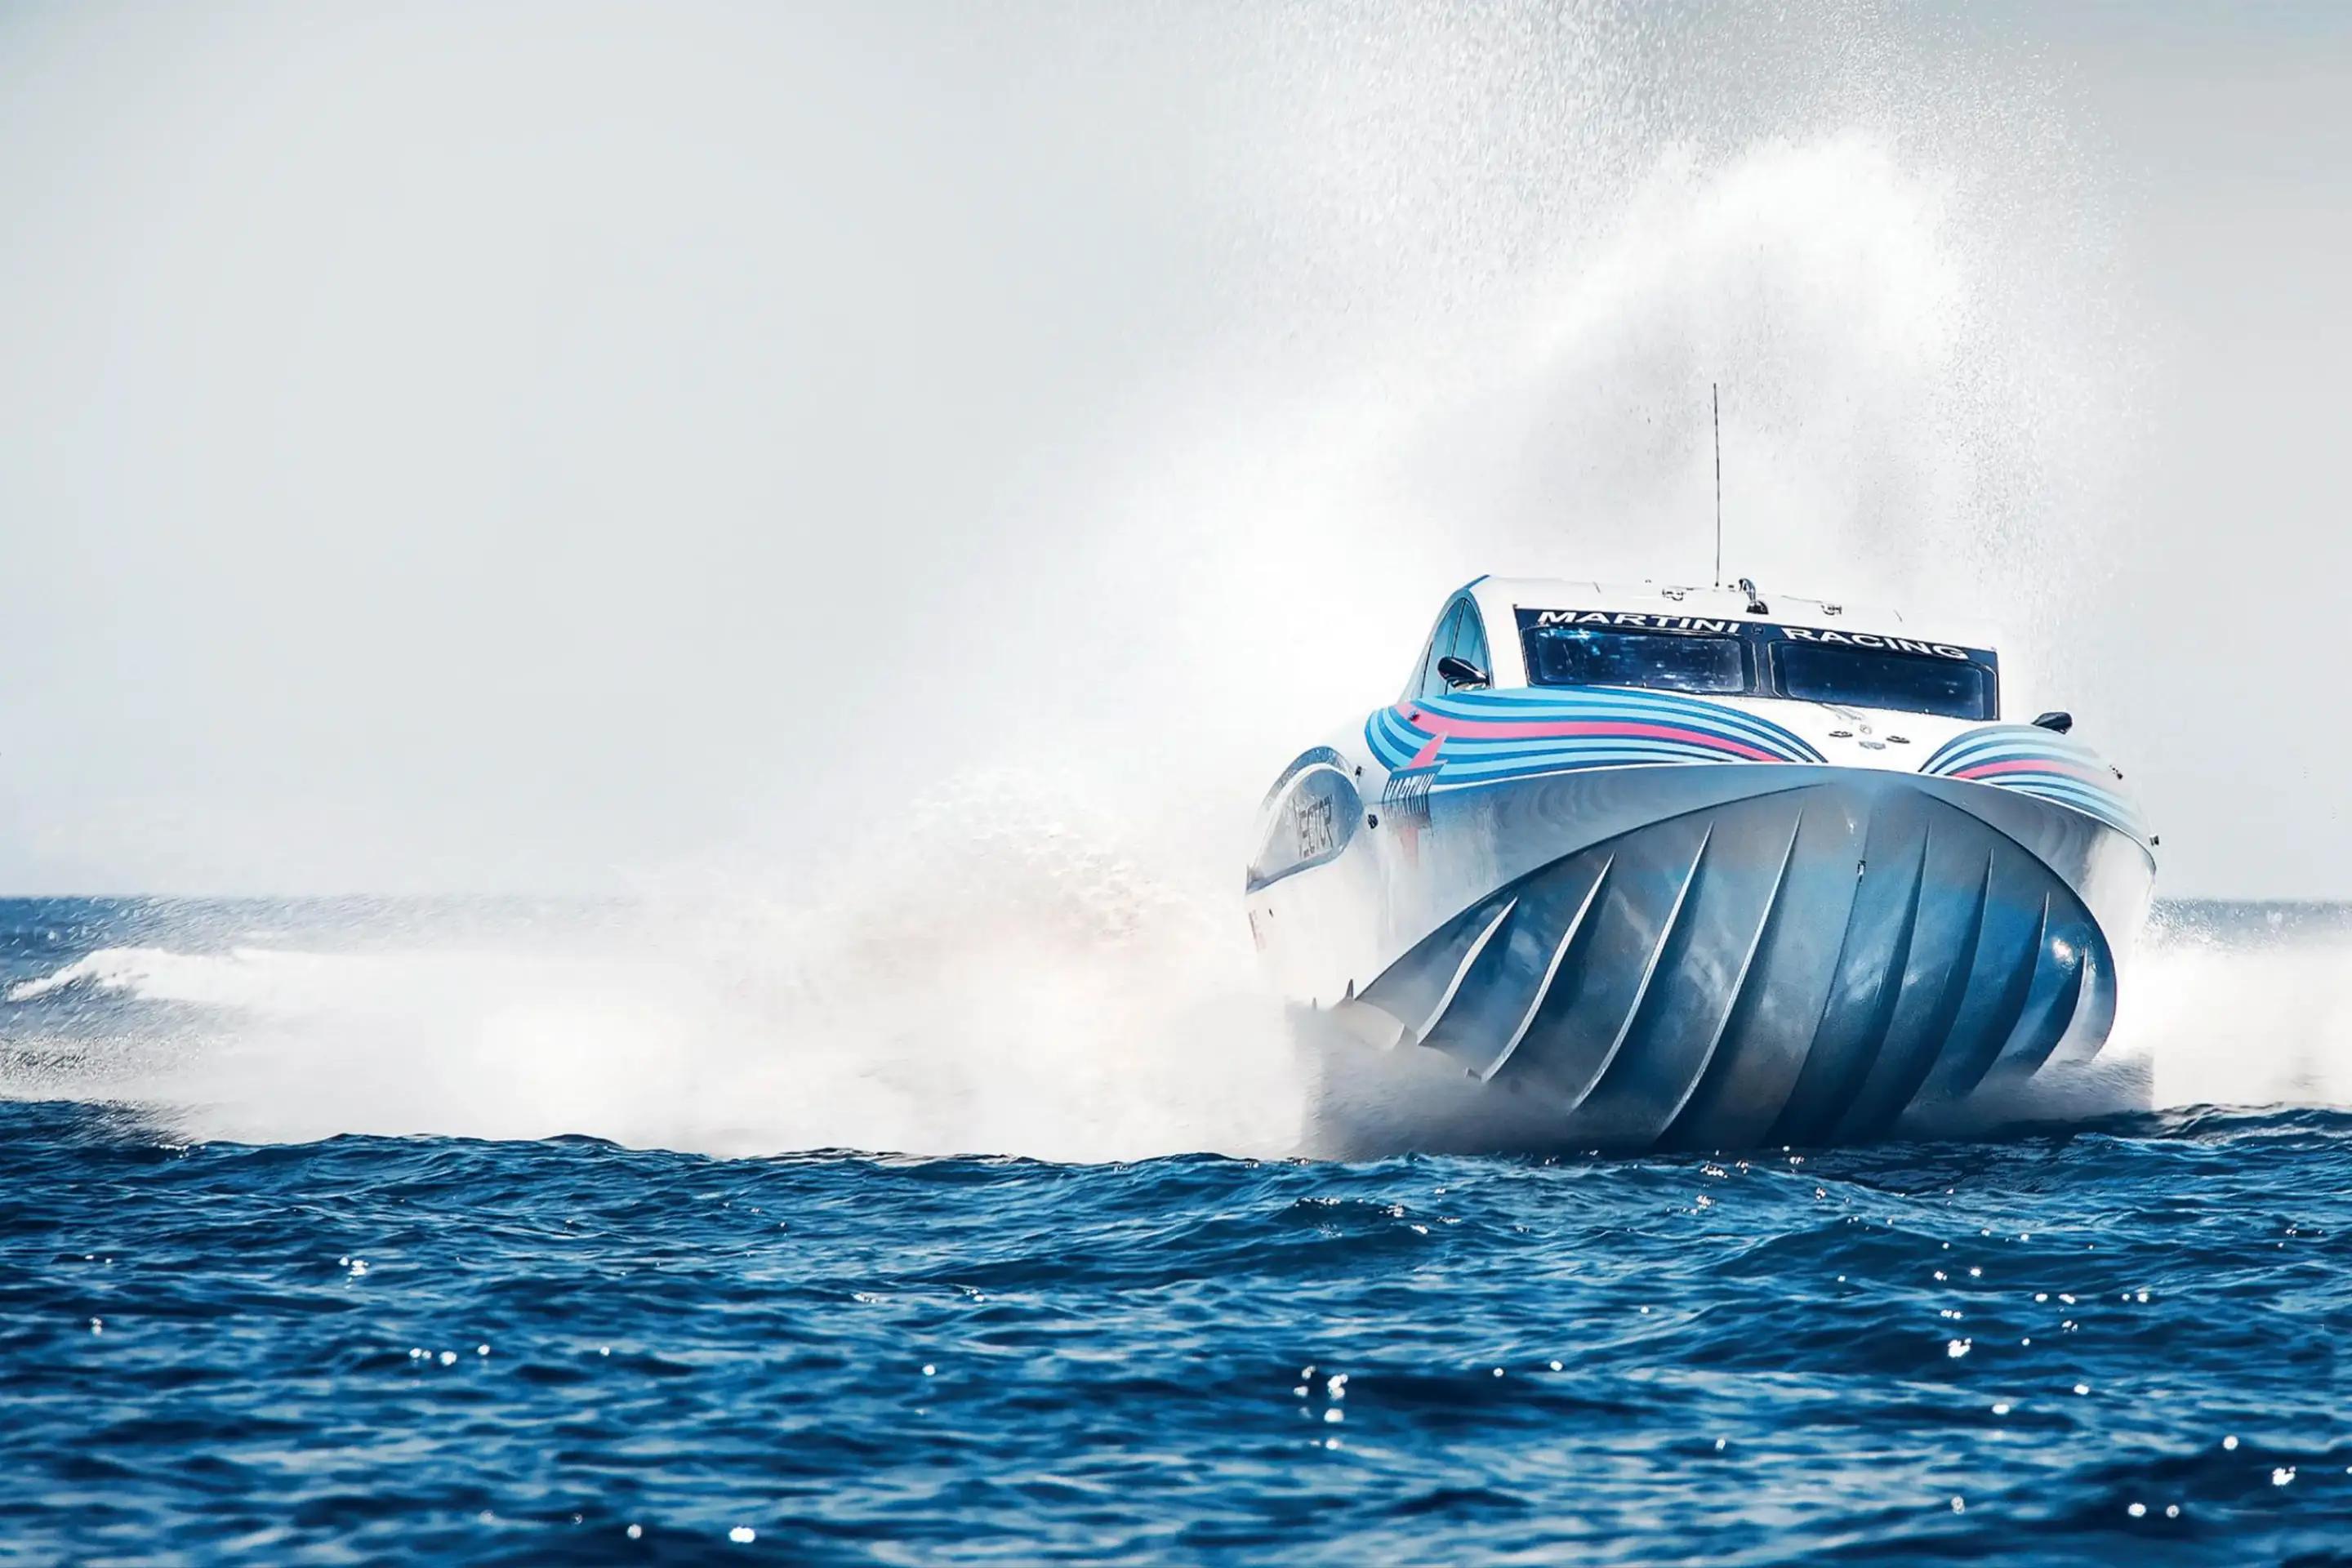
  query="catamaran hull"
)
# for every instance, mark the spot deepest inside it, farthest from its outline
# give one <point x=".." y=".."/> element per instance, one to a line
<point x="1722" y="956"/>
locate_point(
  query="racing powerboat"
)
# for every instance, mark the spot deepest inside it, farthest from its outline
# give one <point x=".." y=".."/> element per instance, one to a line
<point x="1687" y="868"/>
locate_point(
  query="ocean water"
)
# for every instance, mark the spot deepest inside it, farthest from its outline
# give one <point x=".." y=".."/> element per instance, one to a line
<point x="234" y="1330"/>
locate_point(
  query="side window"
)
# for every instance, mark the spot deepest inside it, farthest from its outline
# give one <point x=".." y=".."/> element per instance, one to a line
<point x="1470" y="636"/>
<point x="1428" y="682"/>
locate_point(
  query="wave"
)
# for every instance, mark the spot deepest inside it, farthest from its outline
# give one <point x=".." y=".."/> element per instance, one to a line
<point x="993" y="980"/>
<point x="261" y="978"/>
<point x="1027" y="992"/>
<point x="2244" y="1015"/>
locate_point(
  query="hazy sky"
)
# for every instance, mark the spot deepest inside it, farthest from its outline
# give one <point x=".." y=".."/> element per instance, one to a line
<point x="528" y="447"/>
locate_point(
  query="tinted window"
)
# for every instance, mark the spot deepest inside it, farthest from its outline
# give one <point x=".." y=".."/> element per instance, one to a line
<point x="1666" y="661"/>
<point x="1868" y="677"/>
<point x="1470" y="636"/>
<point x="1441" y="643"/>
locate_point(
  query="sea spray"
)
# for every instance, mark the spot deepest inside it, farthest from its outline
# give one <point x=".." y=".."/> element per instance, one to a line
<point x="1451" y="288"/>
<point x="986" y="974"/>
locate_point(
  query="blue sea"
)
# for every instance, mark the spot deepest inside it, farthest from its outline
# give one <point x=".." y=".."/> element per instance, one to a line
<point x="231" y="1334"/>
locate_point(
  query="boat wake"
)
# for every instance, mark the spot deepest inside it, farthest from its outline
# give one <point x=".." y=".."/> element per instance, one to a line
<point x="1026" y="991"/>
<point x="999" y="980"/>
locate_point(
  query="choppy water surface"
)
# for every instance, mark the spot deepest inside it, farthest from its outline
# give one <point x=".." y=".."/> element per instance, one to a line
<point x="2120" y="1342"/>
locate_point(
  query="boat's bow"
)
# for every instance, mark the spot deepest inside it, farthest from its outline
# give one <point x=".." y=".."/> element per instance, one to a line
<point x="1670" y="921"/>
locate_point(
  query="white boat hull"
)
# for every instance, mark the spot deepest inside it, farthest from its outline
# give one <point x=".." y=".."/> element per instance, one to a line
<point x="1711" y="955"/>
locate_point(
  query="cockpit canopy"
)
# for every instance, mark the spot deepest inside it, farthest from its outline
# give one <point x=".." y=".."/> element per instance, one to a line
<point x="1806" y="664"/>
<point x="1696" y="647"/>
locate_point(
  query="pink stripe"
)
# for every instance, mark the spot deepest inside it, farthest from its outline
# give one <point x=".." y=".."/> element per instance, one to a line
<point x="1428" y="754"/>
<point x="1449" y="728"/>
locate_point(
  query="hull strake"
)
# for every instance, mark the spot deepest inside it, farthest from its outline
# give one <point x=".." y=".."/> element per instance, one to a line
<point x="1798" y="965"/>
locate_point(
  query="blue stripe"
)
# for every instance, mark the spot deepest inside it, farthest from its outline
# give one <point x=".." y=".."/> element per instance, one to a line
<point x="1395" y="741"/>
<point x="2053" y="783"/>
<point x="1591" y="703"/>
<point x="1469" y="761"/>
<point x="1568" y="762"/>
<point x="1385" y="729"/>
<point x="1456" y="755"/>
<point x="1391" y="741"/>
<point x="2054" y="779"/>
<point x="2109" y="812"/>
<point x="1560" y="764"/>
<point x="2007" y="742"/>
<point x="2073" y="791"/>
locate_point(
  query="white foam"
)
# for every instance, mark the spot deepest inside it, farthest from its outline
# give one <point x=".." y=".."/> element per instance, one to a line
<point x="991" y="979"/>
<point x="1011" y="985"/>
<point x="2243" y="1017"/>
<point x="266" y="979"/>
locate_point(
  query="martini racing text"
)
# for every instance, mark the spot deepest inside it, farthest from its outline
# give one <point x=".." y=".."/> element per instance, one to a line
<point x="1644" y="620"/>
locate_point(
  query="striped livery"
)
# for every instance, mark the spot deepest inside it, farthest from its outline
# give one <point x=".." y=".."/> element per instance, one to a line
<point x="1904" y="916"/>
<point x="1481" y="737"/>
<point x="2043" y="763"/>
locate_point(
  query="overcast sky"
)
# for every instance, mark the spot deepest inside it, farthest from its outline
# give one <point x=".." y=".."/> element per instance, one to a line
<point x="528" y="447"/>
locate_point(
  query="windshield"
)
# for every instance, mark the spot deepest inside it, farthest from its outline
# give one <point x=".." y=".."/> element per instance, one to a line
<point x="1667" y="661"/>
<point x="1868" y="677"/>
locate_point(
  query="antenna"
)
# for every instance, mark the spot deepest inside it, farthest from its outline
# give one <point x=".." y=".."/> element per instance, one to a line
<point x="1715" y="395"/>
